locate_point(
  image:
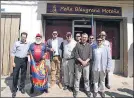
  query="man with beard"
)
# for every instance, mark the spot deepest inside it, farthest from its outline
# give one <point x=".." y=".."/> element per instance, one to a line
<point x="38" y="69"/>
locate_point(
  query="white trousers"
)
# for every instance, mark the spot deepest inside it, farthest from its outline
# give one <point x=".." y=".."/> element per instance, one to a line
<point x="99" y="81"/>
<point x="68" y="71"/>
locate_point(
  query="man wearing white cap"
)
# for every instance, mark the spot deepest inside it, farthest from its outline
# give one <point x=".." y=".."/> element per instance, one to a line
<point x="106" y="43"/>
<point x="68" y="61"/>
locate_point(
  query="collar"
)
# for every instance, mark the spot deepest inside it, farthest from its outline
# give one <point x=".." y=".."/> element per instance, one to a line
<point x="23" y="43"/>
<point x="99" y="46"/>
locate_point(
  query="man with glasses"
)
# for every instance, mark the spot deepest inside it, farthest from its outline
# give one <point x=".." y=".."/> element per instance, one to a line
<point x="102" y="65"/>
<point x="78" y="37"/>
<point x="106" y="43"/>
<point x="53" y="45"/>
<point x="83" y="54"/>
<point x="68" y="61"/>
<point x="93" y="45"/>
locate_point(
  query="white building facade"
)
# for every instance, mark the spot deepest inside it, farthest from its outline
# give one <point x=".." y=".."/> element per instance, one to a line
<point x="34" y="15"/>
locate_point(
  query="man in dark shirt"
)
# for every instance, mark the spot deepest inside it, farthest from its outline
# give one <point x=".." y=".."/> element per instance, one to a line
<point x="83" y="54"/>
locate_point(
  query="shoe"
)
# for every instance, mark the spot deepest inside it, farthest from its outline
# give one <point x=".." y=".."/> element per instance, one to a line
<point x="88" y="94"/>
<point x="60" y="85"/>
<point x="65" y="87"/>
<point x="94" y="95"/>
<point x="75" y="94"/>
<point x="22" y="91"/>
<point x="31" y="90"/>
<point x="70" y="89"/>
<point x="108" y="86"/>
<point x="102" y="94"/>
<point x="13" y="94"/>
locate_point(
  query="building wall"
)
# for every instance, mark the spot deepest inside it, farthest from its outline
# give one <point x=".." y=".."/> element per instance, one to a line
<point x="31" y="20"/>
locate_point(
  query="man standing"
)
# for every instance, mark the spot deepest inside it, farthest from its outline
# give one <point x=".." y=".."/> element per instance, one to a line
<point x="54" y="46"/>
<point x="101" y="65"/>
<point x="106" y="43"/>
<point x="68" y="61"/>
<point x="93" y="45"/>
<point x="38" y="69"/>
<point x="19" y="61"/>
<point x="78" y="37"/>
<point x="83" y="55"/>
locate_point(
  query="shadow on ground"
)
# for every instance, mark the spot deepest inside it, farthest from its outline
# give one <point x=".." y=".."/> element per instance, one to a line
<point x="115" y="94"/>
<point x="126" y="90"/>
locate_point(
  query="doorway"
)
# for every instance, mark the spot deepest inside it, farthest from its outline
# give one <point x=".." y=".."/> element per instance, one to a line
<point x="81" y="26"/>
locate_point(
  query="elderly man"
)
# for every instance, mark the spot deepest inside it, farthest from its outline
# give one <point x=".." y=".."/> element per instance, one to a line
<point x="19" y="61"/>
<point x="106" y="43"/>
<point x="38" y="69"/>
<point x="101" y="65"/>
<point x="54" y="47"/>
<point x="83" y="54"/>
<point x="68" y="61"/>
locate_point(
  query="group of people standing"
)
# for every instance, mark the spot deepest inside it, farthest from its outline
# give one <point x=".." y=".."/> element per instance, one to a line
<point x="70" y="60"/>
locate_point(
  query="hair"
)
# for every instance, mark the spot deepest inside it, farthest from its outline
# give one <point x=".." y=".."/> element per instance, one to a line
<point x="98" y="37"/>
<point x="91" y="35"/>
<point x="78" y="33"/>
<point x="24" y="33"/>
<point x="85" y="34"/>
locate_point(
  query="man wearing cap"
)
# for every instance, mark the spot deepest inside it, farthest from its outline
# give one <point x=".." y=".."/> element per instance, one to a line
<point x="78" y="37"/>
<point x="106" y="43"/>
<point x="68" y="61"/>
<point x="38" y="69"/>
<point x="54" y="47"/>
<point x="19" y="58"/>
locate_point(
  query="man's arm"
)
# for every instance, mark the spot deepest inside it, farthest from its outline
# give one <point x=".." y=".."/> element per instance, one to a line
<point x="109" y="60"/>
<point x="77" y="56"/>
<point x="13" y="51"/>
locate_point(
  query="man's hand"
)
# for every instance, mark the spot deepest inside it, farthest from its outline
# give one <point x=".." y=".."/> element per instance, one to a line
<point x="13" y="64"/>
<point x="107" y="70"/>
<point x="84" y="63"/>
<point x="51" y="49"/>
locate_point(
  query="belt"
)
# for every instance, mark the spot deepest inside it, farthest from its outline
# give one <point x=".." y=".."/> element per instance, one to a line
<point x="21" y="58"/>
<point x="56" y="55"/>
<point x="68" y="58"/>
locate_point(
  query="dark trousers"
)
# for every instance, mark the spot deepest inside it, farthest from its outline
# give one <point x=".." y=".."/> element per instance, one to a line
<point x="20" y="63"/>
<point x="107" y="79"/>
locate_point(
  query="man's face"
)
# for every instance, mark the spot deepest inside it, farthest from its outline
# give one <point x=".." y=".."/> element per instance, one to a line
<point x="103" y="36"/>
<point x="23" y="37"/>
<point x="99" y="41"/>
<point x="78" y="37"/>
<point x="84" y="38"/>
<point x="55" y="34"/>
<point x="38" y="40"/>
<point x="68" y="37"/>
<point x="91" y="39"/>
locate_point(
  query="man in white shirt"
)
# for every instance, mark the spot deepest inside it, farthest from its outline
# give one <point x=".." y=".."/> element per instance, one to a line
<point x="53" y="45"/>
<point x="106" y="43"/>
<point x="68" y="61"/>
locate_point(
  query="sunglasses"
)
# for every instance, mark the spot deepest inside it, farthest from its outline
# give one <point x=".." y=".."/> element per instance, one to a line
<point x="91" y="38"/>
<point x="78" y="36"/>
<point x="99" y="40"/>
<point x="54" y="33"/>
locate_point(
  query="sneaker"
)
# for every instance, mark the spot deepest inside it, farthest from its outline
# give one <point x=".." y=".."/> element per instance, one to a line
<point x="65" y="87"/>
<point x="70" y="89"/>
<point x="13" y="94"/>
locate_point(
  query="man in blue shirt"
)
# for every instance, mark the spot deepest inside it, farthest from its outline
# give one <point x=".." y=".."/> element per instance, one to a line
<point x="19" y="61"/>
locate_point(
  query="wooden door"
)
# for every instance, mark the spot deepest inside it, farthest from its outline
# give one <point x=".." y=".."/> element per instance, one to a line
<point x="9" y="34"/>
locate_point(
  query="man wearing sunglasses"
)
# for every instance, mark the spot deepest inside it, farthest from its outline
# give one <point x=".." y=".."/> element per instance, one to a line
<point x="101" y="65"/>
<point x="68" y="61"/>
<point x="93" y="45"/>
<point x="106" y="43"/>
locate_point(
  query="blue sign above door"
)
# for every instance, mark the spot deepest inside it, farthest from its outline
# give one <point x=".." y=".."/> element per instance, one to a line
<point x="83" y="9"/>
